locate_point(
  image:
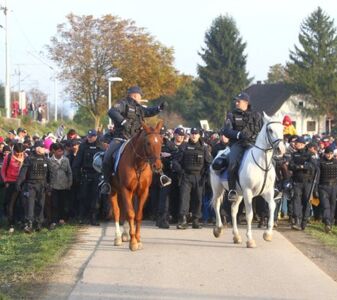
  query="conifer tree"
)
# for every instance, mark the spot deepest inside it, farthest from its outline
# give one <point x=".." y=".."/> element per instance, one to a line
<point x="313" y="66"/>
<point x="223" y="74"/>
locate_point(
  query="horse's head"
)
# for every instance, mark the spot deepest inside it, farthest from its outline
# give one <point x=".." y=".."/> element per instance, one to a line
<point x="273" y="133"/>
<point x="152" y="145"/>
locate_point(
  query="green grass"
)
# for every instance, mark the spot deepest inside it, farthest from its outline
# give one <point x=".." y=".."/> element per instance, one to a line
<point x="317" y="231"/>
<point x="24" y="257"/>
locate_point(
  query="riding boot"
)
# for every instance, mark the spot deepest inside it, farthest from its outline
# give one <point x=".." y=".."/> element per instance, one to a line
<point x="232" y="194"/>
<point x="182" y="224"/>
<point x="105" y="185"/>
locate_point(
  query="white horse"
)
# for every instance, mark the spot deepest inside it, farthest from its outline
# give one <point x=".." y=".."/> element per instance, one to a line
<point x="256" y="177"/>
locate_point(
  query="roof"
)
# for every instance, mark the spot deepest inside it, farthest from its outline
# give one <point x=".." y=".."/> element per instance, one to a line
<point x="268" y="97"/>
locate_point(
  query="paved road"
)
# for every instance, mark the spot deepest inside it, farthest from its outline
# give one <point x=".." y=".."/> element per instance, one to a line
<point x="188" y="264"/>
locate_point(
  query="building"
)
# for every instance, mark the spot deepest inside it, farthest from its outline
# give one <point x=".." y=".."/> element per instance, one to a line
<point x="279" y="98"/>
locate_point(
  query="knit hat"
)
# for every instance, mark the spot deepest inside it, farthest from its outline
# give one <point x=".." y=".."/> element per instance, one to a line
<point x="287" y="120"/>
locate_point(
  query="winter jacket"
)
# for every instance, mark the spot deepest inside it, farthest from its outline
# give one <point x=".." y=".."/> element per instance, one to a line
<point x="10" y="173"/>
<point x="61" y="177"/>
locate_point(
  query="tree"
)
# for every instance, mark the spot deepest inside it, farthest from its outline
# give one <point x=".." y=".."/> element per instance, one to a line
<point x="224" y="73"/>
<point x="89" y="51"/>
<point x="277" y="73"/>
<point x="313" y="66"/>
<point x="184" y="102"/>
<point x="37" y="96"/>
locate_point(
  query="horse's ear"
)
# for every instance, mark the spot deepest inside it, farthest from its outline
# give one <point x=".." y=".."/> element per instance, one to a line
<point x="266" y="118"/>
<point x="159" y="126"/>
<point x="145" y="127"/>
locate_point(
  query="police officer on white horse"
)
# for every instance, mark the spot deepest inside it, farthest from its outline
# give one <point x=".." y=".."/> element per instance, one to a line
<point x="127" y="116"/>
<point x="241" y="127"/>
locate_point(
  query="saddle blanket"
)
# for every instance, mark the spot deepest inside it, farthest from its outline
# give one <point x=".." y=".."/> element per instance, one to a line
<point x="119" y="154"/>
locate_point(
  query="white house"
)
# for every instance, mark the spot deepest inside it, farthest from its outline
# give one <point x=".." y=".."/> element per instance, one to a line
<point x="278" y="98"/>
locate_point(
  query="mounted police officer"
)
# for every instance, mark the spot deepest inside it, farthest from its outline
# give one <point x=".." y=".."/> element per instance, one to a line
<point x="88" y="178"/>
<point x="328" y="187"/>
<point x="32" y="181"/>
<point x="192" y="162"/>
<point x="241" y="127"/>
<point x="127" y="116"/>
<point x="304" y="170"/>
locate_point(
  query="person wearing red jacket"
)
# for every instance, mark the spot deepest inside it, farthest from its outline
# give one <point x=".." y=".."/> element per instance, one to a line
<point x="10" y="171"/>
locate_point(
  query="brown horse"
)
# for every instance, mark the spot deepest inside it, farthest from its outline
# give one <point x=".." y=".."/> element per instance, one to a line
<point x="139" y="159"/>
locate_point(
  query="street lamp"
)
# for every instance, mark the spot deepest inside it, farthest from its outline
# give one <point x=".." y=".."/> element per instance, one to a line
<point x="112" y="79"/>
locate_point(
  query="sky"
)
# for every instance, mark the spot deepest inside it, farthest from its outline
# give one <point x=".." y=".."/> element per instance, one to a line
<point x="269" y="27"/>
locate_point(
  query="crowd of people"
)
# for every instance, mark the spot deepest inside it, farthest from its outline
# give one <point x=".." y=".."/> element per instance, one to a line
<point x="51" y="180"/>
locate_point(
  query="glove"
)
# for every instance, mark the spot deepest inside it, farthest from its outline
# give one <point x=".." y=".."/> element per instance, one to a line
<point x="242" y="135"/>
<point x="163" y="106"/>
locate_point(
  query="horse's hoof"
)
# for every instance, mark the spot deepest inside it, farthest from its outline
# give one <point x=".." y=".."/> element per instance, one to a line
<point x="118" y="241"/>
<point x="251" y="244"/>
<point x="217" y="231"/>
<point x="267" y="236"/>
<point x="237" y="239"/>
<point x="133" y="246"/>
<point x="140" y="246"/>
<point x="125" y="237"/>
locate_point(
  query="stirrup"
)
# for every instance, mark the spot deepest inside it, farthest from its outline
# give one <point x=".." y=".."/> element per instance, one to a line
<point x="232" y="196"/>
<point x="165" y="180"/>
<point x="105" y="188"/>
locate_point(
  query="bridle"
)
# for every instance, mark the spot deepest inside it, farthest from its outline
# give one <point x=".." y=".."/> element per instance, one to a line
<point x="147" y="158"/>
<point x="273" y="145"/>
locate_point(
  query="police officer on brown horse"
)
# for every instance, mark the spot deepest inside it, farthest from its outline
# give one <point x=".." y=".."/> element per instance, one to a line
<point x="127" y="116"/>
<point x="241" y="127"/>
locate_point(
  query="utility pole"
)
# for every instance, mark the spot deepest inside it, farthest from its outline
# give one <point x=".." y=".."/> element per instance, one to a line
<point x="7" y="81"/>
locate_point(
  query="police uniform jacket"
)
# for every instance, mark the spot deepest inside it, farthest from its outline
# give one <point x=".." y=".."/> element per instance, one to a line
<point x="133" y="113"/>
<point x="328" y="171"/>
<point x="35" y="169"/>
<point x="248" y="123"/>
<point x="193" y="158"/>
<point x="303" y="166"/>
<point x="169" y="147"/>
<point x="84" y="159"/>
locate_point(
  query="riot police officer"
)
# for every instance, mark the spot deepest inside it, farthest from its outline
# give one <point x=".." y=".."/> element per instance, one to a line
<point x="328" y="187"/>
<point x="127" y="116"/>
<point x="192" y="161"/>
<point x="169" y="195"/>
<point x="88" y="178"/>
<point x="304" y="170"/>
<point x="241" y="127"/>
<point x="32" y="181"/>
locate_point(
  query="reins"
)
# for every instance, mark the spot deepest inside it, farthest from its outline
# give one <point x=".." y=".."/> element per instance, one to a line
<point x="147" y="158"/>
<point x="268" y="165"/>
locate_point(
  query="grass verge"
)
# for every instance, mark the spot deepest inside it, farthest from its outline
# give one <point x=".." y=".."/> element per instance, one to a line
<point x="24" y="258"/>
<point x="317" y="231"/>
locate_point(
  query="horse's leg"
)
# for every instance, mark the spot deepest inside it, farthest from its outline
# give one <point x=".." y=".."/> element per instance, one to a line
<point x="142" y="196"/>
<point x="248" y="198"/>
<point x="234" y="210"/>
<point x="116" y="212"/>
<point x="125" y="234"/>
<point x="216" y="201"/>
<point x="128" y="202"/>
<point x="267" y="235"/>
